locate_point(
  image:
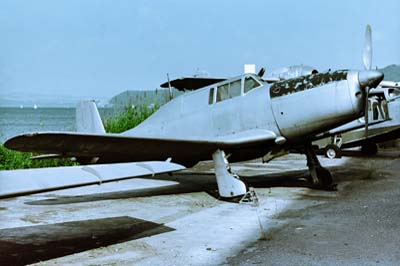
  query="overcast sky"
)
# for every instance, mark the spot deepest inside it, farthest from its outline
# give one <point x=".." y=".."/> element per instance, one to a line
<point x="100" y="48"/>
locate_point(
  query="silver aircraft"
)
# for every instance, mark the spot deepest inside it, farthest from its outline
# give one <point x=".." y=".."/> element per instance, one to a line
<point x="240" y="118"/>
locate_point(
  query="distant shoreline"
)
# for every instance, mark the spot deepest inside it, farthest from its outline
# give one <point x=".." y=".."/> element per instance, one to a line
<point x="48" y="107"/>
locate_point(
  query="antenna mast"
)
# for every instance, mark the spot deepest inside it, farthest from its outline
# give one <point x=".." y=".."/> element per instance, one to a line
<point x="169" y="88"/>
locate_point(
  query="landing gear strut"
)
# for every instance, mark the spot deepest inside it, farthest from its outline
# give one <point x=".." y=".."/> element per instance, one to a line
<point x="229" y="184"/>
<point x="320" y="177"/>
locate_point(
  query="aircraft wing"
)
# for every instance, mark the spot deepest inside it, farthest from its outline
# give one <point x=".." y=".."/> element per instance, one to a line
<point x="191" y="83"/>
<point x="121" y="148"/>
<point x="347" y="127"/>
<point x="28" y="181"/>
<point x="385" y="134"/>
<point x="389" y="84"/>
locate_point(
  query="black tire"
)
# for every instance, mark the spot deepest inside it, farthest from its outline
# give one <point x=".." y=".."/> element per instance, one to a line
<point x="369" y="148"/>
<point x="332" y="151"/>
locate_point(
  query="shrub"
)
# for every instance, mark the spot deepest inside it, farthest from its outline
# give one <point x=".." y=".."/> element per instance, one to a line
<point x="130" y="117"/>
<point x="121" y="121"/>
<point x="10" y="160"/>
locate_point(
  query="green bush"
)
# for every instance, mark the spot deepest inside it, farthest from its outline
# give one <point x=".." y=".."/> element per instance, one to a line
<point x="130" y="117"/>
<point x="10" y="160"/>
<point x="121" y="121"/>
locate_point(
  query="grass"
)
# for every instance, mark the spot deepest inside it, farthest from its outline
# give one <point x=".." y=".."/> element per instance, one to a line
<point x="128" y="118"/>
<point x="10" y="160"/>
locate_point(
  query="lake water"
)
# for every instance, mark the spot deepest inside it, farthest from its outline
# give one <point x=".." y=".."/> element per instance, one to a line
<point x="14" y="121"/>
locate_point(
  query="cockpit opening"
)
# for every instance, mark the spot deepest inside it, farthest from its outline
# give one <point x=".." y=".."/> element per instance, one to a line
<point x="234" y="88"/>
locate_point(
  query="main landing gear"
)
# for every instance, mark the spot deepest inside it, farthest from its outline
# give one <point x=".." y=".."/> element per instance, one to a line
<point x="333" y="150"/>
<point x="320" y="177"/>
<point x="230" y="187"/>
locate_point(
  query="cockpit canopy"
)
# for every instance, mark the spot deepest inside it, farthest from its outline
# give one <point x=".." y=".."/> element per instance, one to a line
<point x="233" y="87"/>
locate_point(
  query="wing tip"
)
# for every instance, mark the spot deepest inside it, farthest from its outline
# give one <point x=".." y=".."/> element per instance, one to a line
<point x="15" y="142"/>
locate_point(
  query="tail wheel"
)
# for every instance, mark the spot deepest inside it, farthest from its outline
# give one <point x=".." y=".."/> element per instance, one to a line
<point x="333" y="151"/>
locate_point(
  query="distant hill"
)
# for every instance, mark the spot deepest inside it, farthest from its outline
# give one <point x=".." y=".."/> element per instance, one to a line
<point x="142" y="97"/>
<point x="29" y="100"/>
<point x="392" y="72"/>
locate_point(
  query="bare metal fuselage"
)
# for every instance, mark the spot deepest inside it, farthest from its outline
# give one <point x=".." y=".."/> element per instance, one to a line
<point x="303" y="110"/>
<point x="243" y="116"/>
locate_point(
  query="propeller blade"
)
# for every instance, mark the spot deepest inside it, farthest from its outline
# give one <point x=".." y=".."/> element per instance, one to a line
<point x="366" y="111"/>
<point x="367" y="56"/>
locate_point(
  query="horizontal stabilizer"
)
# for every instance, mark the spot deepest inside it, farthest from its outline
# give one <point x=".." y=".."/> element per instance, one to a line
<point x="28" y="181"/>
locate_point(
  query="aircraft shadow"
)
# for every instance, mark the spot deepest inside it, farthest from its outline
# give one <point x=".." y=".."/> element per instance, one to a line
<point x="201" y="181"/>
<point x="188" y="182"/>
<point x="126" y="194"/>
<point x="205" y="182"/>
<point x="31" y="244"/>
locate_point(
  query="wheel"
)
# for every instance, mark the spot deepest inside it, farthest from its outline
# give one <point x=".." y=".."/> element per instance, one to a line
<point x="333" y="151"/>
<point x="369" y="148"/>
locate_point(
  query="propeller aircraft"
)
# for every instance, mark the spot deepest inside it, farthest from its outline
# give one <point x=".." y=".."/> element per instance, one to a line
<point x="240" y="118"/>
<point x="381" y="122"/>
